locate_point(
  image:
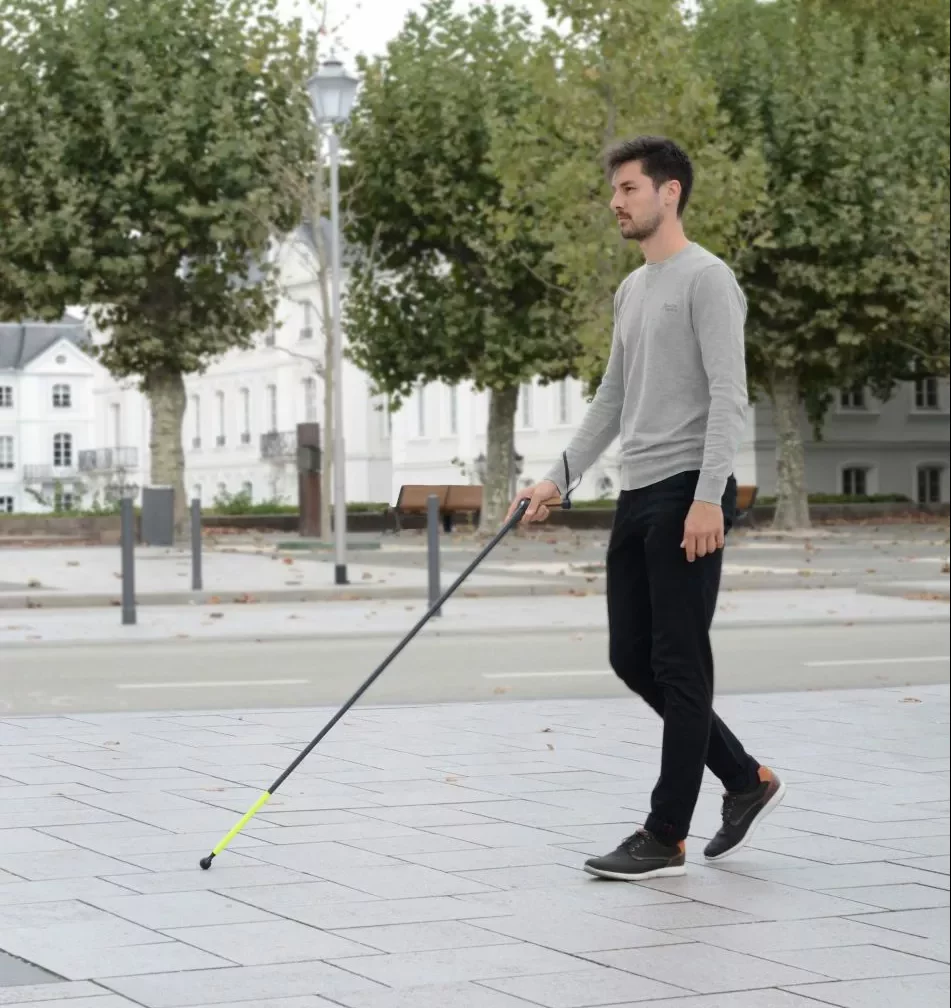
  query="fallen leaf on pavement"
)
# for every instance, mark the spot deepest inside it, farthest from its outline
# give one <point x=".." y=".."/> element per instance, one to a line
<point x="910" y="699"/>
<point x="502" y="689"/>
<point x="217" y="615"/>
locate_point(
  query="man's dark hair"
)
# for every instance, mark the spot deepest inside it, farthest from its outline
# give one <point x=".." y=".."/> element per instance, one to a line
<point x="661" y="161"/>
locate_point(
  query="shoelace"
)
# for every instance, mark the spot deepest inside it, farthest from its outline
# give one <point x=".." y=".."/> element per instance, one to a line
<point x="730" y="804"/>
<point x="636" y="840"/>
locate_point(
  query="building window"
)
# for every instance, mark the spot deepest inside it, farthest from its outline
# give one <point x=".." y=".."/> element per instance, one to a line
<point x="6" y="397"/>
<point x="6" y="452"/>
<point x="307" y="332"/>
<point x="421" y="411"/>
<point x="525" y="406"/>
<point x="6" y="505"/>
<point x="62" y="396"/>
<point x="196" y="421"/>
<point x="453" y="410"/>
<point x="853" y="399"/>
<point x="926" y="394"/>
<point x="62" y="450"/>
<point x="64" y="500"/>
<point x="310" y="400"/>
<point x="855" y="481"/>
<point x="272" y="407"/>
<point x="115" y="416"/>
<point x="248" y="490"/>
<point x="220" y="410"/>
<point x="245" y="397"/>
<point x="564" y="409"/>
<point x="929" y="484"/>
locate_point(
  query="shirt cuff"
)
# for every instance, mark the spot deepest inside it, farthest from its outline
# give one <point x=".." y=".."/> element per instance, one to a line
<point x="710" y="489"/>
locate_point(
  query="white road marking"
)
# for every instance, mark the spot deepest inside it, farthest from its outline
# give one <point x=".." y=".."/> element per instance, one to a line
<point x="213" y="685"/>
<point x="541" y="675"/>
<point x="878" y="661"/>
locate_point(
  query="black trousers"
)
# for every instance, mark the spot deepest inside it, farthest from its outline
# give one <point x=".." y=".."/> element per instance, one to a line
<point x="660" y="608"/>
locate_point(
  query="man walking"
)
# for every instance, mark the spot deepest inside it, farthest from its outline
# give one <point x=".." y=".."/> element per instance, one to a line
<point x="675" y="391"/>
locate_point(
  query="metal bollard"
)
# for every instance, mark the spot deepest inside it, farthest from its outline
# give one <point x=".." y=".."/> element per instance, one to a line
<point x="432" y="535"/>
<point x="128" y="562"/>
<point x="196" y="544"/>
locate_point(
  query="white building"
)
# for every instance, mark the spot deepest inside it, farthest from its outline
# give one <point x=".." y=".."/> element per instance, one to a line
<point x="241" y="419"/>
<point x="47" y="413"/>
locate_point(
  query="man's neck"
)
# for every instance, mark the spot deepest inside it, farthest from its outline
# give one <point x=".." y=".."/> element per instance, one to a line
<point x="664" y="244"/>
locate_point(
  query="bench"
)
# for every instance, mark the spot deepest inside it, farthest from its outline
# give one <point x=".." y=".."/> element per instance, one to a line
<point x="454" y="500"/>
<point x="745" y="500"/>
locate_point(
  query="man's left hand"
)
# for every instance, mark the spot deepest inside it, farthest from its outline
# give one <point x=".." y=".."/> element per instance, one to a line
<point x="703" y="530"/>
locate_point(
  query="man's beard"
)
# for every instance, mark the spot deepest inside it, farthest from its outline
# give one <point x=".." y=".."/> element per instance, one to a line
<point x="640" y="232"/>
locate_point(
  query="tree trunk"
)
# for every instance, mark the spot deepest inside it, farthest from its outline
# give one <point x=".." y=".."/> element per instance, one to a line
<point x="166" y="394"/>
<point x="792" y="503"/>
<point x="500" y="457"/>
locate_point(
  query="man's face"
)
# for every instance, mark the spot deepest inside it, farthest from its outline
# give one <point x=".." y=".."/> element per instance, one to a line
<point x="638" y="206"/>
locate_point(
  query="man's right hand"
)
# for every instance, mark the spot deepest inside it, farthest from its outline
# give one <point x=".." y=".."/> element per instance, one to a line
<point x="543" y="497"/>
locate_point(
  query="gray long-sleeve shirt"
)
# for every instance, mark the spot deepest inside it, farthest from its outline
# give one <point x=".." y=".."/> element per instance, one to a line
<point x="675" y="385"/>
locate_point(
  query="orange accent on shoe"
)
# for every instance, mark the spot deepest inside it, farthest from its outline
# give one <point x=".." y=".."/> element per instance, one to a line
<point x="765" y="774"/>
<point x="682" y="846"/>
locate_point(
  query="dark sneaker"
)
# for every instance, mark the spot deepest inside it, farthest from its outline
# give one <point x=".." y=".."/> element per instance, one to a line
<point x="742" y="813"/>
<point x="641" y="856"/>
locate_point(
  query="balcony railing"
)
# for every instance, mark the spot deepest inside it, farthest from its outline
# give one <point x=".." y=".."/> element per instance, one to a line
<point x="278" y="445"/>
<point x="102" y="460"/>
<point x="48" y="473"/>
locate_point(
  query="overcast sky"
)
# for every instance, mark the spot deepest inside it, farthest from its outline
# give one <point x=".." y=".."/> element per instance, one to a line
<point x="365" y="26"/>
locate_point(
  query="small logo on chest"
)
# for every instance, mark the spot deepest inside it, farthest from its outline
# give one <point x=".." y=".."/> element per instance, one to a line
<point x="671" y="306"/>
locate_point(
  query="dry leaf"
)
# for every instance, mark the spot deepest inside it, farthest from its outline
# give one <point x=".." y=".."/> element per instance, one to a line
<point x="217" y="615"/>
<point x="502" y="689"/>
<point x="550" y="746"/>
<point x="72" y="563"/>
<point x="910" y="699"/>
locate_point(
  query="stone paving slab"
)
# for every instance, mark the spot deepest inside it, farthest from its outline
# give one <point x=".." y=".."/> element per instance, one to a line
<point x="429" y="857"/>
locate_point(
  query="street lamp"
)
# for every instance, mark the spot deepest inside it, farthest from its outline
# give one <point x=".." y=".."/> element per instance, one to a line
<point x="331" y="92"/>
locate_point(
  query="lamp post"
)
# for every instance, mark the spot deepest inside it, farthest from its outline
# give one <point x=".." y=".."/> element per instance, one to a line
<point x="331" y="92"/>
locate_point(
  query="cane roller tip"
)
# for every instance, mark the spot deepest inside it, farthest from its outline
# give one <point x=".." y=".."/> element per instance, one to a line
<point x="206" y="861"/>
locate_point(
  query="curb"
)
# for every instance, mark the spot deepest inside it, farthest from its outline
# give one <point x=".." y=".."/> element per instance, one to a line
<point x="351" y="593"/>
<point x="316" y="637"/>
<point x="937" y="592"/>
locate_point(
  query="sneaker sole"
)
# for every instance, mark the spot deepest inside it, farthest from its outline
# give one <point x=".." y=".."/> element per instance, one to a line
<point x="673" y="872"/>
<point x="760" y="816"/>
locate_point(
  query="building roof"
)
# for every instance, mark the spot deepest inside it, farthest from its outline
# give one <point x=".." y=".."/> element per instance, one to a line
<point x="23" y="342"/>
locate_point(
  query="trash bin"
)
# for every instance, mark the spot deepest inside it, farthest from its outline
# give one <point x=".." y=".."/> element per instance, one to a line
<point x="158" y="516"/>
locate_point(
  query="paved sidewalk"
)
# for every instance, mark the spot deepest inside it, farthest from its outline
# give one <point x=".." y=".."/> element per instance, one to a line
<point x="546" y="563"/>
<point x="461" y="615"/>
<point x="429" y="857"/>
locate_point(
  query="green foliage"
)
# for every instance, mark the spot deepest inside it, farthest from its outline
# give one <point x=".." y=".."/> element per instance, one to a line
<point x="143" y="154"/>
<point x="241" y="503"/>
<point x="846" y="271"/>
<point x="613" y="70"/>
<point x="445" y="288"/>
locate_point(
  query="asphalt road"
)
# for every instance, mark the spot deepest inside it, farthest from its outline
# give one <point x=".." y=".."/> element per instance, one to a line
<point x="180" y="675"/>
